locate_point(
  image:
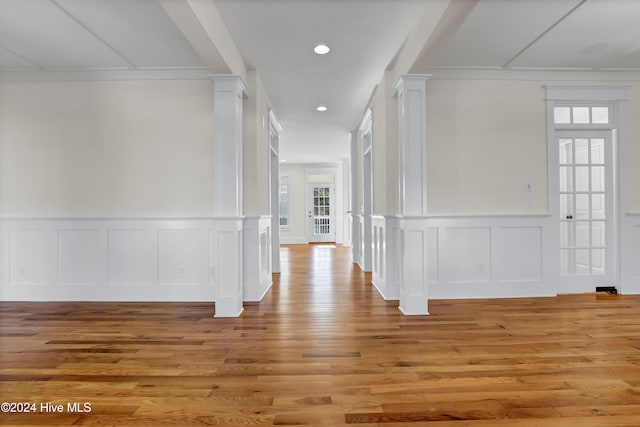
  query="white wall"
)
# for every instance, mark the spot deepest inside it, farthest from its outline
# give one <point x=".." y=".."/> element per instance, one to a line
<point x="378" y="146"/>
<point x="256" y="154"/>
<point x="106" y="149"/>
<point x="632" y="160"/>
<point x="296" y="232"/>
<point x="485" y="141"/>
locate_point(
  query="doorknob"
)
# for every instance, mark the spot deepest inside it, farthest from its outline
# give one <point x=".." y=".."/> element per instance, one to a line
<point x="569" y="216"/>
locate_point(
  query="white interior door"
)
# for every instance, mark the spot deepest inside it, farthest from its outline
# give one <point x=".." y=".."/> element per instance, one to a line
<point x="587" y="240"/>
<point x="321" y="213"/>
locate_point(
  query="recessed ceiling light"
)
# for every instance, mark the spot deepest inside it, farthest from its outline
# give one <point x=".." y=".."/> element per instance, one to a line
<point x="321" y="49"/>
<point x="321" y="108"/>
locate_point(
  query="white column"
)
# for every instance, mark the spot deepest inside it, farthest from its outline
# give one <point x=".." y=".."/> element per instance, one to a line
<point x="412" y="142"/>
<point x="274" y="172"/>
<point x="356" y="242"/>
<point x="228" y="232"/>
<point x="366" y="130"/>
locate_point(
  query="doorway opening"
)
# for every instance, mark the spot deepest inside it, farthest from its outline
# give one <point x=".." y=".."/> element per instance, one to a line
<point x="585" y="135"/>
<point x="321" y="211"/>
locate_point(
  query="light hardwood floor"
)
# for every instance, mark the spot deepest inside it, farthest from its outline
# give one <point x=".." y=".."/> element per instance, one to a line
<point x="323" y="348"/>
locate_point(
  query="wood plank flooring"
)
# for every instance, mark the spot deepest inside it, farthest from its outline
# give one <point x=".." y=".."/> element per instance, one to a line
<point x="323" y="348"/>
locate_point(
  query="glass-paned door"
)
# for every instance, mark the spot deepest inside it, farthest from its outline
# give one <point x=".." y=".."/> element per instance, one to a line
<point x="586" y="210"/>
<point x="321" y="213"/>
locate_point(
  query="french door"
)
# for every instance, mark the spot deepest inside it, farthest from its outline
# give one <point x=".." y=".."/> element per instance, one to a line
<point x="587" y="200"/>
<point x="321" y="213"/>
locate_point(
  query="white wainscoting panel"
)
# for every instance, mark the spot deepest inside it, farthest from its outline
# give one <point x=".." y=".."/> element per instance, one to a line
<point x="472" y="256"/>
<point x="117" y="259"/>
<point x="386" y="256"/>
<point x="518" y="254"/>
<point x="492" y="257"/>
<point x="33" y="257"/>
<point x="466" y="254"/>
<point x="81" y="257"/>
<point x="182" y="256"/>
<point x="257" y="255"/>
<point x="133" y="257"/>
<point x="630" y="254"/>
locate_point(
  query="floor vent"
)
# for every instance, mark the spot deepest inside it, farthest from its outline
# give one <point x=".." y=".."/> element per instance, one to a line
<point x="607" y="289"/>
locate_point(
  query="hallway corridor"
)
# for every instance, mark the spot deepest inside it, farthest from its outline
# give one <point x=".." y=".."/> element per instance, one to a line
<point x="323" y="348"/>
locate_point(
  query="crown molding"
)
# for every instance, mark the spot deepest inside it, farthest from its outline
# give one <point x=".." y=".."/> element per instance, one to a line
<point x="104" y="75"/>
<point x="535" y="74"/>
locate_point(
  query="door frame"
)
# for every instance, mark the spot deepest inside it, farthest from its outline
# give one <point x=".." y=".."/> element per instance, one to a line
<point x="569" y="95"/>
<point x="274" y="189"/>
<point x="309" y="205"/>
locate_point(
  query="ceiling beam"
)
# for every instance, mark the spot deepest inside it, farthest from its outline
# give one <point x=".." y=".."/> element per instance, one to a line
<point x="203" y="26"/>
<point x="439" y="22"/>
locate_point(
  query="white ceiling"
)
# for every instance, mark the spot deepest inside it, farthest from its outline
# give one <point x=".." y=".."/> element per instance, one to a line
<point x="41" y="39"/>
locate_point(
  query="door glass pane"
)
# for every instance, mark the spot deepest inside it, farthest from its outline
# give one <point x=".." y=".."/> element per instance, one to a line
<point x="597" y="206"/>
<point x="581" y="115"/>
<point x="582" y="178"/>
<point x="566" y="206"/>
<point x="582" y="234"/>
<point x="566" y="178"/>
<point x="582" y="151"/>
<point x="597" y="151"/>
<point x="597" y="178"/>
<point x="566" y="234"/>
<point x="598" y="261"/>
<point x="598" y="234"/>
<point x="583" y="261"/>
<point x="567" y="261"/>
<point x="583" y="198"/>
<point x="600" y="115"/>
<point x="566" y="151"/>
<point x="321" y="210"/>
<point x="582" y="206"/>
<point x="561" y="115"/>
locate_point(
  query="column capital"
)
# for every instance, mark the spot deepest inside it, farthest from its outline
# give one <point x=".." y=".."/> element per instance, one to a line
<point x="229" y="81"/>
<point x="405" y="81"/>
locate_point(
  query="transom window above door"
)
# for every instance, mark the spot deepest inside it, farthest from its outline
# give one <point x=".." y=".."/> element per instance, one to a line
<point x="581" y="115"/>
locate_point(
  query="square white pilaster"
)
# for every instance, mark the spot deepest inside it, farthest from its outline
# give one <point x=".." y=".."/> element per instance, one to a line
<point x="228" y="94"/>
<point x="412" y="142"/>
<point x="229" y="256"/>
